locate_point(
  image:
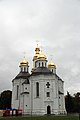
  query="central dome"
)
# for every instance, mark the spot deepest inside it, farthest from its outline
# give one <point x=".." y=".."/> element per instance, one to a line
<point x="42" y="56"/>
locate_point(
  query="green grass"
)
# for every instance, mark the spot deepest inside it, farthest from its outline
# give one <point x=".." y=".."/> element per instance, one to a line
<point x="41" y="118"/>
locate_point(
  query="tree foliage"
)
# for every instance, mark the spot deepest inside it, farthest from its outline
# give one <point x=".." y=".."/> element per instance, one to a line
<point x="5" y="99"/>
<point x="72" y="103"/>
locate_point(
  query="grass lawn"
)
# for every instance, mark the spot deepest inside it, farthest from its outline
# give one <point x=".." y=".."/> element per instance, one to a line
<point x="41" y="118"/>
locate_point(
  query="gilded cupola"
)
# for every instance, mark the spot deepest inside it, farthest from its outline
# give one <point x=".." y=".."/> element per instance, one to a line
<point x="24" y="62"/>
<point x="42" y="56"/>
<point x="51" y="64"/>
<point x="24" y="65"/>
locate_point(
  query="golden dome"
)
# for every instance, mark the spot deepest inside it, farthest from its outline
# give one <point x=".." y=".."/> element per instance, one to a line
<point x="42" y="56"/>
<point x="24" y="61"/>
<point x="51" y="64"/>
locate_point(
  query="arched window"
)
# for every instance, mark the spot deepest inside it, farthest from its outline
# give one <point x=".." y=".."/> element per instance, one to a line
<point x="42" y="64"/>
<point x="24" y="69"/>
<point x="48" y="94"/>
<point x="39" y="64"/>
<point x="17" y="92"/>
<point x="52" y="70"/>
<point x="45" y="64"/>
<point x="37" y="89"/>
<point x="27" y="69"/>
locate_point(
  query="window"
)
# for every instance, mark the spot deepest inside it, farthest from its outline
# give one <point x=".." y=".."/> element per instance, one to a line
<point x="17" y="95"/>
<point x="42" y="64"/>
<point x="27" y="81"/>
<point x="24" y="69"/>
<point x="39" y="64"/>
<point x="45" y="64"/>
<point x="27" y="69"/>
<point x="37" y="89"/>
<point x="48" y="94"/>
<point x="21" y="69"/>
<point x="52" y="70"/>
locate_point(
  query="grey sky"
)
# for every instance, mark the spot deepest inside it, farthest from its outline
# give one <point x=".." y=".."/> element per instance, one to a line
<point x="55" y="23"/>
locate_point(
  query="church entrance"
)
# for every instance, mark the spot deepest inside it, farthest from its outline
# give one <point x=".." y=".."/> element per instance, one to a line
<point x="48" y="110"/>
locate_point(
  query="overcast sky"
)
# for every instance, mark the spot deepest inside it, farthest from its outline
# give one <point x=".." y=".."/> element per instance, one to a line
<point x="55" y="23"/>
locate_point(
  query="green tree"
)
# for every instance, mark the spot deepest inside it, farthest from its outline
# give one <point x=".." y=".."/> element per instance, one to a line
<point x="69" y="103"/>
<point x="77" y="102"/>
<point x="72" y="103"/>
<point x="5" y="99"/>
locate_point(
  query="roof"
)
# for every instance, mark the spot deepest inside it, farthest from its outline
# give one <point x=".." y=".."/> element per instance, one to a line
<point x="24" y="61"/>
<point x="59" y="78"/>
<point x="42" y="56"/>
<point x="41" y="70"/>
<point x="23" y="75"/>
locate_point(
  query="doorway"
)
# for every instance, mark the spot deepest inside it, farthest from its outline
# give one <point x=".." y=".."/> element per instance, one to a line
<point x="48" y="110"/>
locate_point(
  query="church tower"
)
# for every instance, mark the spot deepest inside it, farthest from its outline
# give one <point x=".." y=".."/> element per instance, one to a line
<point x="39" y="59"/>
<point x="18" y="85"/>
<point x="24" y="67"/>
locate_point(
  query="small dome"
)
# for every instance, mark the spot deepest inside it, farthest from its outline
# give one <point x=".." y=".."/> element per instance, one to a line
<point x="24" y="61"/>
<point x="42" y="56"/>
<point x="51" y="64"/>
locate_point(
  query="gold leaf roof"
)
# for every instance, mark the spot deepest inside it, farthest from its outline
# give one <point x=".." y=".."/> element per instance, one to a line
<point x="51" y="64"/>
<point x="42" y="56"/>
<point x="24" y="61"/>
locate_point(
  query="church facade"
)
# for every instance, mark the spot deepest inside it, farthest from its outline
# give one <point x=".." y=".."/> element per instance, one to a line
<point x="42" y="91"/>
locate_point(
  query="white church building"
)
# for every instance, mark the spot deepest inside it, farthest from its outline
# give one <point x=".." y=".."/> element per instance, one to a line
<point x="41" y="91"/>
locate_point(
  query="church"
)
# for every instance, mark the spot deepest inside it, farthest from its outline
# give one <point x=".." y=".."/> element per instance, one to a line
<point x="41" y="91"/>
